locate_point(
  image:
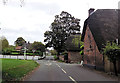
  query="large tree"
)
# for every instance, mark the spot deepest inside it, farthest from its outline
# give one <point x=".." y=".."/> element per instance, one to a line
<point x="20" y="41"/>
<point x="4" y="42"/>
<point x="38" y="46"/>
<point x="63" y="26"/>
<point x="112" y="51"/>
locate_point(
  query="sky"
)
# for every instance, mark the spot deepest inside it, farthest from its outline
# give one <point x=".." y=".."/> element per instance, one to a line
<point x="35" y="17"/>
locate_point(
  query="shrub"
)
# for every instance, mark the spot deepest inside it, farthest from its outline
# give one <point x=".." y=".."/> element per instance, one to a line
<point x="112" y="50"/>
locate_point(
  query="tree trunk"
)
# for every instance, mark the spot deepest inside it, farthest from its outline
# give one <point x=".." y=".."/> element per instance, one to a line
<point x="115" y="68"/>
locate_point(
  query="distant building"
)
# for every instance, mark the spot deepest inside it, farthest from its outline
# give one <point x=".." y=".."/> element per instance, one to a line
<point x="101" y="26"/>
<point x="27" y="45"/>
<point x="18" y="48"/>
<point x="73" y="49"/>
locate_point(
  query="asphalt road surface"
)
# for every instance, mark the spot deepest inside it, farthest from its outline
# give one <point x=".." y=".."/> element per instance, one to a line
<point x="51" y="70"/>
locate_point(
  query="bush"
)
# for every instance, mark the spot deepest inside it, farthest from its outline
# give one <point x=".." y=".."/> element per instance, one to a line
<point x="55" y="57"/>
<point x="53" y="52"/>
<point x="112" y="50"/>
<point x="64" y="53"/>
<point x="6" y="51"/>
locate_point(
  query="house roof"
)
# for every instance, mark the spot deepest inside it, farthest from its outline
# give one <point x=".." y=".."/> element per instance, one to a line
<point x="70" y="43"/>
<point x="103" y="24"/>
<point x="18" y="47"/>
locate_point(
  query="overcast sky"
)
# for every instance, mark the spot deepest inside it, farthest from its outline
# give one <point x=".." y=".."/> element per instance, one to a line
<point x="35" y="17"/>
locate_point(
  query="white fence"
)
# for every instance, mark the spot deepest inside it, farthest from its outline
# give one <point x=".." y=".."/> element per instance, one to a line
<point x="20" y="57"/>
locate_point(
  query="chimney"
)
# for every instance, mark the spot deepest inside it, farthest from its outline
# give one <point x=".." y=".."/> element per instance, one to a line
<point x="90" y="11"/>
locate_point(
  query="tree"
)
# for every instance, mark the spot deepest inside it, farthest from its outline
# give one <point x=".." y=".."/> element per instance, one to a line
<point x="112" y="50"/>
<point x="53" y="52"/>
<point x="20" y="41"/>
<point x="63" y="26"/>
<point x="38" y="46"/>
<point x="78" y="43"/>
<point x="4" y="42"/>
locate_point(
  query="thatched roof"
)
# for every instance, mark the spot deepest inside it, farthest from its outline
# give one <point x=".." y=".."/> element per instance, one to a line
<point x="103" y="24"/>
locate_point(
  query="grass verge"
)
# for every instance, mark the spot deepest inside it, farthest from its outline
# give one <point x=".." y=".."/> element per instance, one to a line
<point x="14" y="70"/>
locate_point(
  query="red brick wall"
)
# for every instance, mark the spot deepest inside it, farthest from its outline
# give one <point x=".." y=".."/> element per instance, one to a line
<point x="74" y="57"/>
<point x="92" y="55"/>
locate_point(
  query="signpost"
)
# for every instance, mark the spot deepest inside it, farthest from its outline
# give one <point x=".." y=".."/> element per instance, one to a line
<point x="25" y="52"/>
<point x="25" y="49"/>
<point x="33" y="53"/>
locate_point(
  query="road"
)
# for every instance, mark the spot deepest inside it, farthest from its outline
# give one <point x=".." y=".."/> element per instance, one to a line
<point x="51" y="70"/>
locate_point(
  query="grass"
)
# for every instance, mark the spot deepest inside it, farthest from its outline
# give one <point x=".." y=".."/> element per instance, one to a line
<point x="14" y="70"/>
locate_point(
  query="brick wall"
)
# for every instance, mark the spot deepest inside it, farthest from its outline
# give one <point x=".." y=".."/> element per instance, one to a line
<point x="74" y="57"/>
<point x="92" y="56"/>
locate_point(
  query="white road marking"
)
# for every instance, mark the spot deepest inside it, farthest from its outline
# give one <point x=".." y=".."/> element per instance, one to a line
<point x="72" y="79"/>
<point x="48" y="64"/>
<point x="63" y="70"/>
<point x="54" y="61"/>
<point x="58" y="65"/>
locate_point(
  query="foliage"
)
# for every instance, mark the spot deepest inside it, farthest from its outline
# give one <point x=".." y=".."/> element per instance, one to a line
<point x="38" y="46"/>
<point x="38" y="53"/>
<point x="77" y="41"/>
<point x="14" y="70"/>
<point x="112" y="50"/>
<point x="53" y="52"/>
<point x="8" y="50"/>
<point x="15" y="53"/>
<point x="20" y="41"/>
<point x="12" y="47"/>
<point x="63" y="26"/>
<point x="55" y="57"/>
<point x="64" y="53"/>
<point x="4" y="42"/>
<point x="82" y="49"/>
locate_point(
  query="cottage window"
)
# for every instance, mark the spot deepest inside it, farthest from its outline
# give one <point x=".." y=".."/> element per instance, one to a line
<point x="89" y="38"/>
<point x="90" y="46"/>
